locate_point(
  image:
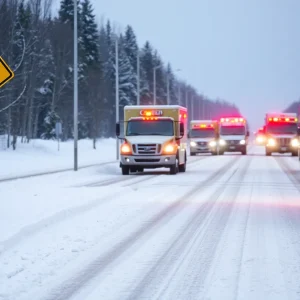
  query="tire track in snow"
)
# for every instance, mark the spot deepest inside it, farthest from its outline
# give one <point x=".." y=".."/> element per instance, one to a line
<point x="69" y="213"/>
<point x="72" y="285"/>
<point x="134" y="177"/>
<point x="7" y="179"/>
<point x="293" y="175"/>
<point x="204" y="229"/>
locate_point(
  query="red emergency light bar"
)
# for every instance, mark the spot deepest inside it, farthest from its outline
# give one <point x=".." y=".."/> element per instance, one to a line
<point x="150" y="119"/>
<point x="277" y="119"/>
<point x="232" y="120"/>
<point x="182" y="116"/>
<point x="202" y="126"/>
<point x="149" y="113"/>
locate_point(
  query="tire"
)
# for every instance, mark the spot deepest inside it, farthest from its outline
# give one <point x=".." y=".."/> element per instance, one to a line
<point x="244" y="152"/>
<point x="125" y="170"/>
<point x="214" y="153"/>
<point x="140" y="169"/>
<point x="221" y="152"/>
<point x="268" y="153"/>
<point x="174" y="168"/>
<point x="192" y="154"/>
<point x="182" y="168"/>
<point x="295" y="153"/>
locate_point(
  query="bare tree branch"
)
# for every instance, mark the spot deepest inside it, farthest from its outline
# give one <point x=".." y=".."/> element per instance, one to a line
<point x="14" y="102"/>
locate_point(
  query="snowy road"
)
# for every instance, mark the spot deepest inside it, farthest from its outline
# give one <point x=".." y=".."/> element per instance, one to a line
<point x="228" y="228"/>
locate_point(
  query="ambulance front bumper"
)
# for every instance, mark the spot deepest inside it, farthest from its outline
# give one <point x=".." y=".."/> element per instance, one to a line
<point x="148" y="161"/>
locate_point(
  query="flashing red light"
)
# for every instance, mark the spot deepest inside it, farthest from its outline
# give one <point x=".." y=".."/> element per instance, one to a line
<point x="277" y="119"/>
<point x="150" y="119"/>
<point x="149" y="113"/>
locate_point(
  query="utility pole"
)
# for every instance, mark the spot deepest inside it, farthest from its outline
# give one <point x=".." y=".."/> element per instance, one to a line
<point x="117" y="93"/>
<point x="154" y="83"/>
<point x="186" y="97"/>
<point x="179" y="98"/>
<point x="138" y="78"/>
<point x="168" y="89"/>
<point x="75" y="88"/>
<point x="192" y="110"/>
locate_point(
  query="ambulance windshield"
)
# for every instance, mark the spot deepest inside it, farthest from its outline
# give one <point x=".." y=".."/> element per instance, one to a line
<point x="152" y="127"/>
<point x="282" y="128"/>
<point x="233" y="130"/>
<point x="202" y="133"/>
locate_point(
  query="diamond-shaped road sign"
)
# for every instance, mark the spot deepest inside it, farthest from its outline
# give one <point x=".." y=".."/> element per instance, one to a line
<point x="6" y="74"/>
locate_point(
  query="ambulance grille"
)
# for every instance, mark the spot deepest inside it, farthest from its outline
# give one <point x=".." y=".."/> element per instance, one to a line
<point x="284" y="141"/>
<point x="147" y="149"/>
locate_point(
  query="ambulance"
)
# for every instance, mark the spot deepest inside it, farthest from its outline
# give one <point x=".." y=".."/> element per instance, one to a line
<point x="282" y="133"/>
<point x="155" y="136"/>
<point x="234" y="135"/>
<point x="260" y="136"/>
<point x="203" y="136"/>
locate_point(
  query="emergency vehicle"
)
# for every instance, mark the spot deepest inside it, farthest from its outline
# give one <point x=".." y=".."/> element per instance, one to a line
<point x="282" y="133"/>
<point x="155" y="136"/>
<point x="203" y="135"/>
<point x="261" y="136"/>
<point x="234" y="135"/>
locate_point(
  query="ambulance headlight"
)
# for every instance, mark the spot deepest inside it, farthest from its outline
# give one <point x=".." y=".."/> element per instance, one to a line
<point x="222" y="142"/>
<point x="212" y="143"/>
<point x="295" y="143"/>
<point x="242" y="142"/>
<point x="193" y="144"/>
<point x="271" y="142"/>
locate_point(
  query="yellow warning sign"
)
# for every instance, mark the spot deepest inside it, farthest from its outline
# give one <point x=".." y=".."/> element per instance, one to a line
<point x="6" y="74"/>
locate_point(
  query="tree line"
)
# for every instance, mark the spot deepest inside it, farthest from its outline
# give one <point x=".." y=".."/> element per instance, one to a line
<point x="39" y="49"/>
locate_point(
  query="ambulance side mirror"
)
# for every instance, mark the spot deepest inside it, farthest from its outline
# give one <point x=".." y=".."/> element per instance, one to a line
<point x="181" y="128"/>
<point x="118" y="130"/>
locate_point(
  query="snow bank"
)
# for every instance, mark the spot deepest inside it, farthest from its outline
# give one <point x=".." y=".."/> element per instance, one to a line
<point x="43" y="156"/>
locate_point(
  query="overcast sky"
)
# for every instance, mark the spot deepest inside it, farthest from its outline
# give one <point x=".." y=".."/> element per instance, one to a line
<point x="246" y="52"/>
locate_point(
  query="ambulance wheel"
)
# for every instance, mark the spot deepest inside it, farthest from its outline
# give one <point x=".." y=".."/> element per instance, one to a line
<point x="182" y="168"/>
<point x="140" y="169"/>
<point x="125" y="170"/>
<point x="174" y="168"/>
<point x="214" y="153"/>
<point x="295" y="153"/>
<point x="192" y="154"/>
<point x="221" y="152"/>
<point x="244" y="152"/>
<point x="268" y="153"/>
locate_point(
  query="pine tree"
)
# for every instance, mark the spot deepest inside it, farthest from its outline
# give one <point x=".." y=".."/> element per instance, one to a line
<point x="66" y="12"/>
<point x="89" y="35"/>
<point x="147" y="65"/>
<point x="126" y="76"/>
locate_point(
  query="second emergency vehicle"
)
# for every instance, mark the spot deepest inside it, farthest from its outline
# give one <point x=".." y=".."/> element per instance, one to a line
<point x="155" y="136"/>
<point x="234" y="135"/>
<point x="282" y="133"/>
<point x="203" y="135"/>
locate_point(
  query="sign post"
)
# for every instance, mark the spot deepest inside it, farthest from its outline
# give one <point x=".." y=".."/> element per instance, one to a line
<point x="58" y="132"/>
<point x="6" y="74"/>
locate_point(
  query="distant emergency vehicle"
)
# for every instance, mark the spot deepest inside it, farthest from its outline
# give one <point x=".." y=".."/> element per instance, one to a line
<point x="155" y="136"/>
<point x="282" y="133"/>
<point x="234" y="135"/>
<point x="261" y="136"/>
<point x="203" y="135"/>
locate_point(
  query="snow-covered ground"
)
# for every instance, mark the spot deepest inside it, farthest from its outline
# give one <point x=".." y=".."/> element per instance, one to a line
<point x="43" y="156"/>
<point x="228" y="228"/>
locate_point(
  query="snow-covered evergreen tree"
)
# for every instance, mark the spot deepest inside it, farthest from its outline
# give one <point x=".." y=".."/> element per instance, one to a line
<point x="127" y="77"/>
<point x="89" y="35"/>
<point x="66" y="12"/>
<point x="131" y="49"/>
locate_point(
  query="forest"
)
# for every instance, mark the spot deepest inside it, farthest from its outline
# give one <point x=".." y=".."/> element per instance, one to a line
<point x="38" y="47"/>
